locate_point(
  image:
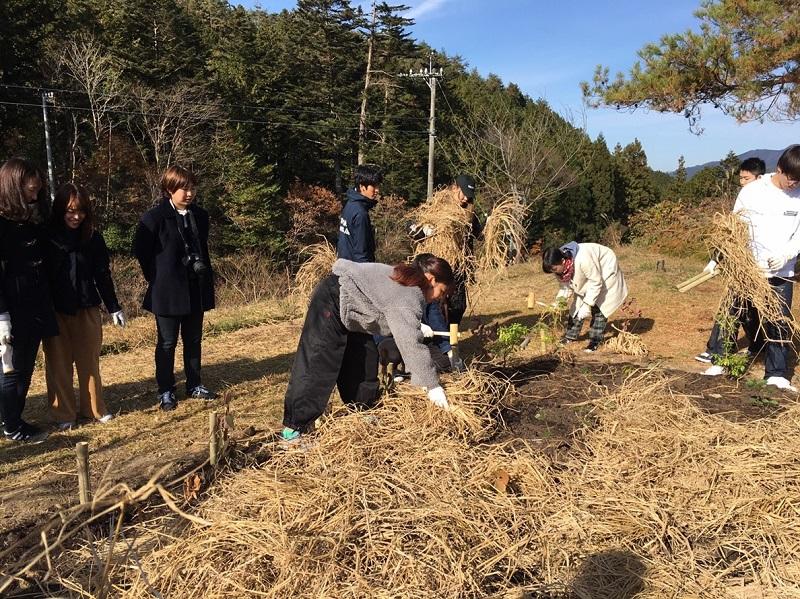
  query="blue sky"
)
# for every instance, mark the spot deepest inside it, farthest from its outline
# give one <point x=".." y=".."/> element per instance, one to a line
<point x="548" y="48"/>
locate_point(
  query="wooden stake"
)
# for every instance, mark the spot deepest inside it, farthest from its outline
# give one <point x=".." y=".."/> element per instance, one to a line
<point x="454" y="335"/>
<point x="213" y="438"/>
<point x="84" y="489"/>
<point x="531" y="301"/>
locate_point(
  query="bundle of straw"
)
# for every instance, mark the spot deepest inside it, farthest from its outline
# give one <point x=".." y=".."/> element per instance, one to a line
<point x="504" y="234"/>
<point x="451" y="226"/>
<point x="317" y="266"/>
<point x="744" y="279"/>
<point x="625" y="342"/>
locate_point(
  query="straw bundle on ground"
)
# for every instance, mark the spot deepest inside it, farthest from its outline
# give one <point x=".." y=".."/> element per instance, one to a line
<point x="317" y="266"/>
<point x="505" y="234"/>
<point x="627" y="343"/>
<point x="744" y="279"/>
<point x="451" y="225"/>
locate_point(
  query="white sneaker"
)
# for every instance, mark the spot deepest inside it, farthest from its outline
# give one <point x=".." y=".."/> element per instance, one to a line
<point x="780" y="383"/>
<point x="106" y="418"/>
<point x="713" y="371"/>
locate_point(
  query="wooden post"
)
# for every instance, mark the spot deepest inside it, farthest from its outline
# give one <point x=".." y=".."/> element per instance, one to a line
<point x="213" y="438"/>
<point x="82" y="454"/>
<point x="531" y="300"/>
<point x="543" y="340"/>
<point x="454" y="342"/>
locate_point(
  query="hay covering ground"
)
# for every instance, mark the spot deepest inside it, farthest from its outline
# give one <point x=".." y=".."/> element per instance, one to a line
<point x="657" y="499"/>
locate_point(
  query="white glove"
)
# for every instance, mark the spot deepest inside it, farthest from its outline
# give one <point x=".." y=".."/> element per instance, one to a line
<point x="456" y="363"/>
<point x="778" y="262"/>
<point x="5" y="329"/>
<point x="561" y="297"/>
<point x="118" y="318"/>
<point x="438" y="398"/>
<point x="585" y="311"/>
<point x="710" y="267"/>
<point x="428" y="230"/>
<point x="427" y="331"/>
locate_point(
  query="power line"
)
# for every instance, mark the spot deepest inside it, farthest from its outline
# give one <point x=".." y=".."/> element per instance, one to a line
<point x="279" y="110"/>
<point x="215" y="120"/>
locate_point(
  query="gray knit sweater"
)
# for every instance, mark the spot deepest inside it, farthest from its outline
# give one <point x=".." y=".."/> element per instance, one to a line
<point x="371" y="302"/>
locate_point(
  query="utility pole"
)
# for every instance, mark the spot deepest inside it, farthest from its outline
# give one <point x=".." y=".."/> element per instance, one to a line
<point x="48" y="96"/>
<point x="431" y="75"/>
<point x="362" y="121"/>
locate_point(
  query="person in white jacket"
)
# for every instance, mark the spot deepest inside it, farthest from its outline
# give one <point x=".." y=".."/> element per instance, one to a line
<point x="771" y="208"/>
<point x="590" y="274"/>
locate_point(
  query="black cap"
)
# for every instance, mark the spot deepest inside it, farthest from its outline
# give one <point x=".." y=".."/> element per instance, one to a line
<point x="467" y="185"/>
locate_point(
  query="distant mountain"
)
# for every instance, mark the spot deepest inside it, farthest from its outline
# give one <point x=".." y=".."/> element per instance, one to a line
<point x="770" y="157"/>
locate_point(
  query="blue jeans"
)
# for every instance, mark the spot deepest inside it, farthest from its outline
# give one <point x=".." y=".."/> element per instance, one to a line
<point x="14" y="386"/>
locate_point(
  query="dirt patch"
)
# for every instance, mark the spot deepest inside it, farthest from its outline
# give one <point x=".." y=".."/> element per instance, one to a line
<point x="556" y="398"/>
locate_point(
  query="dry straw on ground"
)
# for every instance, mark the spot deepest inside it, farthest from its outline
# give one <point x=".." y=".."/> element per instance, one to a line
<point x="655" y="499"/>
<point x="743" y="277"/>
<point x="317" y="266"/>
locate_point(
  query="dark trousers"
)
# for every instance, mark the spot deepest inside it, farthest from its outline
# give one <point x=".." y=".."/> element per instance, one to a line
<point x="14" y="386"/>
<point x="190" y="327"/>
<point x="596" y="329"/>
<point x="778" y="336"/>
<point x="327" y="355"/>
<point x="744" y="314"/>
<point x="457" y="302"/>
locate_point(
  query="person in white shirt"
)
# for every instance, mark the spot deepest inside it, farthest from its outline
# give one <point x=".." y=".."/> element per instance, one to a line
<point x="771" y="208"/>
<point x="750" y="170"/>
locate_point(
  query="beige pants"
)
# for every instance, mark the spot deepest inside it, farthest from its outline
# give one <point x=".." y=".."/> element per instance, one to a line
<point x="78" y="342"/>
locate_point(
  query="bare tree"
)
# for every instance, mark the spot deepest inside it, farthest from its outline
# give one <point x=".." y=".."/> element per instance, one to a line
<point x="99" y="77"/>
<point x="531" y="158"/>
<point x="171" y="126"/>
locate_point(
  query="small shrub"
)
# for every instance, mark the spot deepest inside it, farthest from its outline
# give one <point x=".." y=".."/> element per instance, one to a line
<point x="509" y="339"/>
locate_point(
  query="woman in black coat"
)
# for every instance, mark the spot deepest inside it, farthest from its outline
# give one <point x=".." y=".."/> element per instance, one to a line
<point x="26" y="305"/>
<point x="80" y="277"/>
<point x="171" y="245"/>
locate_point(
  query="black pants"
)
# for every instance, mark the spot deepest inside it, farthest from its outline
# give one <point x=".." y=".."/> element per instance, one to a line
<point x="190" y="327"/>
<point x="777" y="348"/>
<point x="14" y="386"/>
<point x="457" y="302"/>
<point x="744" y="314"/>
<point x="327" y="355"/>
<point x="389" y="353"/>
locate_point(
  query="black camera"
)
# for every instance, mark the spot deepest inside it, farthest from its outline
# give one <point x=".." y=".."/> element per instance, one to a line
<point x="195" y="263"/>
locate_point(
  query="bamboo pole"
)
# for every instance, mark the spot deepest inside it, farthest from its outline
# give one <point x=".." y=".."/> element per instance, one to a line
<point x="213" y="438"/>
<point x="531" y="300"/>
<point x="698" y="281"/>
<point x="690" y="280"/>
<point x="82" y="457"/>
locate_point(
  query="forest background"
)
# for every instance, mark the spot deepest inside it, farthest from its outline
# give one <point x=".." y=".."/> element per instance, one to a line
<point x="274" y="111"/>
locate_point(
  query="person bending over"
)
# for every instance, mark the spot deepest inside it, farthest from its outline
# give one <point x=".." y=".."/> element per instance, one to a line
<point x="336" y="346"/>
<point x="588" y="272"/>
